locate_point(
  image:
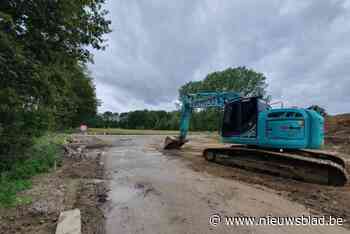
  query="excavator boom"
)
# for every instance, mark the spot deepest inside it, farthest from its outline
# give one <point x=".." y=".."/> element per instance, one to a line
<point x="197" y="100"/>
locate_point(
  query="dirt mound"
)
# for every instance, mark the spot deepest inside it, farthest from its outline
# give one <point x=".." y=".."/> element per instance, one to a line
<point x="337" y="129"/>
<point x="337" y="124"/>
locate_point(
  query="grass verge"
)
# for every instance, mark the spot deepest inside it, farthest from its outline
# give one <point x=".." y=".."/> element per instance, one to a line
<point x="43" y="155"/>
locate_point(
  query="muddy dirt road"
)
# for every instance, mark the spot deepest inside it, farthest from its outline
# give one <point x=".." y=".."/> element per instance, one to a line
<point x="157" y="192"/>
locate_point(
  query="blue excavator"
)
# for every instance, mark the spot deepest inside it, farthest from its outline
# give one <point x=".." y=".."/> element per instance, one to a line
<point x="283" y="141"/>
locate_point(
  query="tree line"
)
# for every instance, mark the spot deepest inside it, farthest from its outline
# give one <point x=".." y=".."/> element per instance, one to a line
<point x="242" y="80"/>
<point x="203" y="120"/>
<point x="44" y="82"/>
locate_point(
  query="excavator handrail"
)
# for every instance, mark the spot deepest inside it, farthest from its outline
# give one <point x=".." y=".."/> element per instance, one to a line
<point x="209" y="99"/>
<point x="202" y="100"/>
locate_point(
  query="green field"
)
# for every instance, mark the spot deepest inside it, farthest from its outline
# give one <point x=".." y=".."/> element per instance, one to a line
<point x="118" y="131"/>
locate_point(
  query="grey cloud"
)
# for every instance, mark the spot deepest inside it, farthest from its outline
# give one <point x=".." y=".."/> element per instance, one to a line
<point x="157" y="46"/>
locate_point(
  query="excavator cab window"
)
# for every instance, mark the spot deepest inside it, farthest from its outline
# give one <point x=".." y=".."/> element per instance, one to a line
<point x="240" y="117"/>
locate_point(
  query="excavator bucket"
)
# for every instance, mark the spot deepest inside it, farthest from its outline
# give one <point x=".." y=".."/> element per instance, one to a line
<point x="173" y="143"/>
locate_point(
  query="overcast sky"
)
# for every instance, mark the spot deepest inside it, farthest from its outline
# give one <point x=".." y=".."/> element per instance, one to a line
<point x="302" y="47"/>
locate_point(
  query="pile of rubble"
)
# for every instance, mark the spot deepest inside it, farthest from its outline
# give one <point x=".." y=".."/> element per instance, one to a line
<point x="81" y="147"/>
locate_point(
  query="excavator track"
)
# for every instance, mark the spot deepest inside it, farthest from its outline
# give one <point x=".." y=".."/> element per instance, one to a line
<point x="304" y="165"/>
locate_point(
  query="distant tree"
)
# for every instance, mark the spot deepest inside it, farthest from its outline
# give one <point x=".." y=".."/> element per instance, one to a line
<point x="116" y="116"/>
<point x="123" y="115"/>
<point x="174" y="119"/>
<point x="115" y="120"/>
<point x="107" y="118"/>
<point x="318" y="109"/>
<point x="242" y="80"/>
<point x="245" y="81"/>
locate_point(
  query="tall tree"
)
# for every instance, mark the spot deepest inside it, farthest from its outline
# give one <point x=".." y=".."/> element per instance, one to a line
<point x="43" y="80"/>
<point x="242" y="80"/>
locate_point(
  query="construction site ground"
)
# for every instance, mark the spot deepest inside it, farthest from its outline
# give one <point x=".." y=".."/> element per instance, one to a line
<point x="157" y="191"/>
<point x="129" y="184"/>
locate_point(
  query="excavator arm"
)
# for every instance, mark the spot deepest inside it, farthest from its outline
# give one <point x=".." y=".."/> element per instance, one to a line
<point x="194" y="101"/>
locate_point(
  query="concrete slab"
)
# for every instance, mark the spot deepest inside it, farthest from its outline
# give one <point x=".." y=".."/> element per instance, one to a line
<point x="69" y="222"/>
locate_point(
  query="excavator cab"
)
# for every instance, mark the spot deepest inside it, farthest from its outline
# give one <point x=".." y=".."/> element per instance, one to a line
<point x="240" y="121"/>
<point x="241" y="117"/>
